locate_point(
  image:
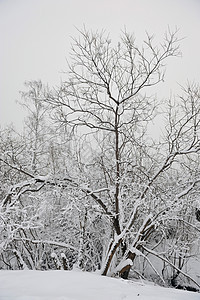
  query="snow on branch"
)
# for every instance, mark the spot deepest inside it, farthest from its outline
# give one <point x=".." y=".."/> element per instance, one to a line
<point x="170" y="263"/>
<point x="53" y="243"/>
<point x="46" y="180"/>
<point x="188" y="189"/>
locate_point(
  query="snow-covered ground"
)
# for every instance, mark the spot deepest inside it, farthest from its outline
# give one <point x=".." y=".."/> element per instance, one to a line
<point x="72" y="285"/>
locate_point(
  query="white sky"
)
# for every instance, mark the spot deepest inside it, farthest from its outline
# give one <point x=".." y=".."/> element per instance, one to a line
<point x="35" y="39"/>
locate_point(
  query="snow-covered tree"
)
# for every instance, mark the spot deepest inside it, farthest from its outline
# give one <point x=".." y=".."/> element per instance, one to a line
<point x="93" y="189"/>
<point x="105" y="98"/>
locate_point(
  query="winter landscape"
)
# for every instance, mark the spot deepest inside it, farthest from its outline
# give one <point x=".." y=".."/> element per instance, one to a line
<point x="99" y="194"/>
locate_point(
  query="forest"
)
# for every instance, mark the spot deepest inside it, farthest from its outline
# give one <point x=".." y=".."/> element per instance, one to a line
<point x="87" y="185"/>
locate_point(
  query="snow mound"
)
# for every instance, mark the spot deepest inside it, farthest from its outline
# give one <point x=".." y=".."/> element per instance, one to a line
<point x="73" y="285"/>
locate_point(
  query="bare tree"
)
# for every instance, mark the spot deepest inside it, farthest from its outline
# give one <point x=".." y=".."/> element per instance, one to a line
<point x="105" y="93"/>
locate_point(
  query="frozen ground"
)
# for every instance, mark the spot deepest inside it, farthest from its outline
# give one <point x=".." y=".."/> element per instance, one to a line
<point x="66" y="285"/>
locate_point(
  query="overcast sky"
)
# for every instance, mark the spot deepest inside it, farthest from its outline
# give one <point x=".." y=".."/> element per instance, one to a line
<point x="35" y="39"/>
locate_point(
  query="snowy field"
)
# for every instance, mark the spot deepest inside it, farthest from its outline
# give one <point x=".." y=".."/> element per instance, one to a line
<point x="66" y="285"/>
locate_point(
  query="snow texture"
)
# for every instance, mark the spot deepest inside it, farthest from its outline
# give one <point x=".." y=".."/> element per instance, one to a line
<point x="72" y="285"/>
